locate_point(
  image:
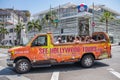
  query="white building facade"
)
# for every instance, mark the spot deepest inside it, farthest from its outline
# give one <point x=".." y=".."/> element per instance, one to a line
<point x="75" y="22"/>
<point x="9" y="18"/>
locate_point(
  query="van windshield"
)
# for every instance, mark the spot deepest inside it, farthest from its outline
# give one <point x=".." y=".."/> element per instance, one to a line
<point x="24" y="41"/>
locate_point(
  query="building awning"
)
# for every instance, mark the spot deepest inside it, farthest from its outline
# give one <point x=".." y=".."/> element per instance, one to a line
<point x="84" y="14"/>
<point x="9" y="23"/>
<point x="79" y="15"/>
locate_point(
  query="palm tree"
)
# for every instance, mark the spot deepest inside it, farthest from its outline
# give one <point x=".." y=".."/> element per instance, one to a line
<point x="18" y="29"/>
<point x="1" y="25"/>
<point x="50" y="19"/>
<point x="107" y="16"/>
<point x="33" y="25"/>
<point x="3" y="31"/>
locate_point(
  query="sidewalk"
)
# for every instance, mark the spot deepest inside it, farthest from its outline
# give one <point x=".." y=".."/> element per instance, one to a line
<point x="115" y="44"/>
<point x="3" y="52"/>
<point x="3" y="55"/>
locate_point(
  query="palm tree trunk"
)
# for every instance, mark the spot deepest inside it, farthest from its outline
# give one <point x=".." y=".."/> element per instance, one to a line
<point x="34" y="31"/>
<point x="106" y="25"/>
<point x="20" y="37"/>
<point x="3" y="26"/>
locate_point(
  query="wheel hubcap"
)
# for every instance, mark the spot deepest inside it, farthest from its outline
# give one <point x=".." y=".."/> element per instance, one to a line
<point x="88" y="61"/>
<point x="23" y="66"/>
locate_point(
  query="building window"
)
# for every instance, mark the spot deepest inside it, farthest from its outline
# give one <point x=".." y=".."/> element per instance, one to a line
<point x="9" y="16"/>
<point x="62" y="30"/>
<point x="90" y="10"/>
<point x="11" y="30"/>
<point x="9" y="36"/>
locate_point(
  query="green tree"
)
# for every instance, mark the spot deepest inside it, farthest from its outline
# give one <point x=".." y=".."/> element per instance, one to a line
<point x="118" y="21"/>
<point x="107" y="16"/>
<point x="33" y="25"/>
<point x="3" y="31"/>
<point x="18" y="29"/>
<point x="50" y="19"/>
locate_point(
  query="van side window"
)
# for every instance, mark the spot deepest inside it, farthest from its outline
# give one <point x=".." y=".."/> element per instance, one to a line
<point x="94" y="37"/>
<point x="40" y="41"/>
<point x="101" y="37"/>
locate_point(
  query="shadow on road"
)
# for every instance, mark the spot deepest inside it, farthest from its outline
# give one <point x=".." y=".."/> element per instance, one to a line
<point x="7" y="71"/>
<point x="61" y="68"/>
<point x="65" y="68"/>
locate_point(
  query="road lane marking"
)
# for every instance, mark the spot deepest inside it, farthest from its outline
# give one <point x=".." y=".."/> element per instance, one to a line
<point x="14" y="76"/>
<point x="1" y="68"/>
<point x="110" y="69"/>
<point x="17" y="77"/>
<point x="117" y="74"/>
<point x="55" y="76"/>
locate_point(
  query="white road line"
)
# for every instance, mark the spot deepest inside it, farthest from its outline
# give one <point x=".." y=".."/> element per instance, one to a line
<point x="13" y="77"/>
<point x="55" y="76"/>
<point x="16" y="77"/>
<point x="117" y="74"/>
<point x="1" y="68"/>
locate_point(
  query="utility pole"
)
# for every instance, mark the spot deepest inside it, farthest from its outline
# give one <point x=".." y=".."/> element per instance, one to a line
<point x="49" y="20"/>
<point x="13" y="25"/>
<point x="93" y="23"/>
<point x="59" y="19"/>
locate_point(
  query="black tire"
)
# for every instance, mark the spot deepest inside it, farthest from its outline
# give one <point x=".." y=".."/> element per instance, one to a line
<point x="87" y="61"/>
<point x="22" y="66"/>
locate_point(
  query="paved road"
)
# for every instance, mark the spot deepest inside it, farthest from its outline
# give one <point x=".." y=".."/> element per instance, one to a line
<point x="107" y="69"/>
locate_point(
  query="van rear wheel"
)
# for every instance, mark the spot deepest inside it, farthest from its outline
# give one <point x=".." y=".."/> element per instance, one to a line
<point x="87" y="61"/>
<point x="22" y="66"/>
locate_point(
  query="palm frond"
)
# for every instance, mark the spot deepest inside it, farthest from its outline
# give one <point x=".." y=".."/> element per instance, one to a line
<point x="34" y="24"/>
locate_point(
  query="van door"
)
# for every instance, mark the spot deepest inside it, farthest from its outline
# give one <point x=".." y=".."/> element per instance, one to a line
<point x="39" y="48"/>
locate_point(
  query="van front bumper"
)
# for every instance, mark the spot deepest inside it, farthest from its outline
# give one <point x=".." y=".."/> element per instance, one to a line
<point x="10" y="63"/>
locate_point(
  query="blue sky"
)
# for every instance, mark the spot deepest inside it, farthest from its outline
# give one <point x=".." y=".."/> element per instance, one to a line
<point x="35" y="6"/>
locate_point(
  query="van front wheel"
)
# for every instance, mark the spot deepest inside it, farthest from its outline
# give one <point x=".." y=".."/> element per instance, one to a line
<point x="87" y="61"/>
<point x="22" y="66"/>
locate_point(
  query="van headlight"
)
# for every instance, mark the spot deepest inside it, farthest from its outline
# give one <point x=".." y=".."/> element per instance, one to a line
<point x="10" y="54"/>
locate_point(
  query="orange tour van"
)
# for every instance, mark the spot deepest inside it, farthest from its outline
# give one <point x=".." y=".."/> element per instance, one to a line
<point x="41" y="51"/>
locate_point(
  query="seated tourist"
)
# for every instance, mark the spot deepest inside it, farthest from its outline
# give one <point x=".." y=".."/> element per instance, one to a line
<point x="59" y="40"/>
<point x="77" y="39"/>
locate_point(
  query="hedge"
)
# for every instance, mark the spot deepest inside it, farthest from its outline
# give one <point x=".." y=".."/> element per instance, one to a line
<point x="6" y="46"/>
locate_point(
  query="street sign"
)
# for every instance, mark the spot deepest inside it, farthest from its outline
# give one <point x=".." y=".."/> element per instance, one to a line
<point x="82" y="7"/>
<point x="56" y="20"/>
